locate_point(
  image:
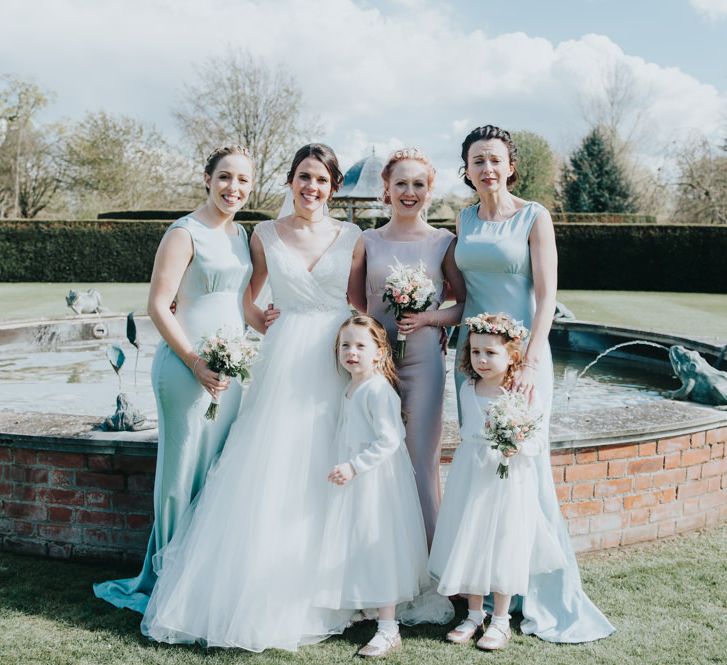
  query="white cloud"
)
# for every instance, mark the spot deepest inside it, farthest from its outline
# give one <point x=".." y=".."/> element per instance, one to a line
<point x="404" y="74"/>
<point x="714" y="10"/>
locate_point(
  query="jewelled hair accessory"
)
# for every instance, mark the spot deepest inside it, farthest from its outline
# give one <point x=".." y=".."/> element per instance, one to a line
<point x="483" y="324"/>
<point x="409" y="153"/>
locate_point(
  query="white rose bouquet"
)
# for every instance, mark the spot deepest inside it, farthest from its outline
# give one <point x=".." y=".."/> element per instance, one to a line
<point x="509" y="423"/>
<point x="229" y="354"/>
<point x="407" y="289"/>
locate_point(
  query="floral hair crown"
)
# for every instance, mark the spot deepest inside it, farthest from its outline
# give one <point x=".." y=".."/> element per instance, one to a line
<point x="483" y="325"/>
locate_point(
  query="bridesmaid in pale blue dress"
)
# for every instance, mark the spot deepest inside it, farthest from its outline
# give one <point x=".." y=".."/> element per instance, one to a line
<point x="506" y="252"/>
<point x="203" y="262"/>
<point x="408" y="180"/>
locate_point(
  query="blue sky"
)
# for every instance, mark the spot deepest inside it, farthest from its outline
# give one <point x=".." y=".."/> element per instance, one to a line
<point x="394" y="73"/>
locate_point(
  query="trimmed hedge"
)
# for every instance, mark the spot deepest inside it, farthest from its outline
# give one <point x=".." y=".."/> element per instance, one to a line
<point x="601" y="218"/>
<point x="156" y="215"/>
<point x="625" y="257"/>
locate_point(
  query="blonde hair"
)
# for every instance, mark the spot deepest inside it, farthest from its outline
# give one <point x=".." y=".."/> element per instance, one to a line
<point x="513" y="346"/>
<point x="378" y="334"/>
<point x="406" y="154"/>
<point x="218" y="154"/>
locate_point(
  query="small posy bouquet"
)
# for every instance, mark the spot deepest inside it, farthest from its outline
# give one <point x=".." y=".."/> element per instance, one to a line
<point x="508" y="424"/>
<point x="229" y="354"/>
<point x="407" y="289"/>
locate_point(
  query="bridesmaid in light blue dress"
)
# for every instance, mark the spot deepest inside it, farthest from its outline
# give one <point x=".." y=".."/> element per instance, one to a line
<point x="203" y="263"/>
<point x="506" y="252"/>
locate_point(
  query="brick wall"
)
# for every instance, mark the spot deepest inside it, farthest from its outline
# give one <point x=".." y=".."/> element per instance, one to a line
<point x="627" y="493"/>
<point x="77" y="505"/>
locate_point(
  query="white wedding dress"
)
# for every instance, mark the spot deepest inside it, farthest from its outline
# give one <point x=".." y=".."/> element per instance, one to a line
<point x="241" y="569"/>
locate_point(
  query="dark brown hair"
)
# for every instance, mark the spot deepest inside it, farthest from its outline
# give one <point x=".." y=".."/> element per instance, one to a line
<point x="514" y="349"/>
<point x="219" y="153"/>
<point x="325" y="155"/>
<point x="485" y="133"/>
<point x="405" y="154"/>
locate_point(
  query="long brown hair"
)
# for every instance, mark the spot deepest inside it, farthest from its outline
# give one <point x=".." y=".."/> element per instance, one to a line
<point x="385" y="364"/>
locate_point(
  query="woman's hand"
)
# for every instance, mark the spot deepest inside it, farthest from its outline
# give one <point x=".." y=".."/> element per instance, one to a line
<point x="341" y="473"/>
<point x="208" y="379"/>
<point x="271" y="314"/>
<point x="524" y="382"/>
<point x="412" y="321"/>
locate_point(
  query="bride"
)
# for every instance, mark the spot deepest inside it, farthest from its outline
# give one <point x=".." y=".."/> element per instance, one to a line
<point x="241" y="569"/>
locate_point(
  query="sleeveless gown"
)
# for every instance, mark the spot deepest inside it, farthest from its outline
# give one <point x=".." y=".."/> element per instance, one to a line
<point x="422" y="371"/>
<point x="494" y="258"/>
<point x="209" y="297"/>
<point x="241" y="569"/>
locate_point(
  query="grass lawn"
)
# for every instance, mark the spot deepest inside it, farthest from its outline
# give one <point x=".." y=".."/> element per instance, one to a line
<point x="668" y="601"/>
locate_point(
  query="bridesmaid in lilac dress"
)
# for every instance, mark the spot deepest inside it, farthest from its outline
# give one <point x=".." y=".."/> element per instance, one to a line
<point x="408" y="179"/>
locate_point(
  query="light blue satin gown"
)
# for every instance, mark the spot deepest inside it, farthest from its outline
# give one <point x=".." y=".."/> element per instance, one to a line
<point x="209" y="297"/>
<point x="494" y="258"/>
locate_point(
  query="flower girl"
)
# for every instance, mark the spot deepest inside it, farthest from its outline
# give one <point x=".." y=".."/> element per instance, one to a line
<point x="491" y="534"/>
<point x="374" y="548"/>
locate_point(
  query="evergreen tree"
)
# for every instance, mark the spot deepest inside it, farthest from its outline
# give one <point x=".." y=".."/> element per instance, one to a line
<point x="535" y="167"/>
<point x="595" y="180"/>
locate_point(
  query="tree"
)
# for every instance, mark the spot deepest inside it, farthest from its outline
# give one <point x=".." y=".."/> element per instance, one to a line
<point x="114" y="162"/>
<point x="536" y="169"/>
<point x="702" y="183"/>
<point x="594" y="181"/>
<point x="29" y="172"/>
<point x="240" y="99"/>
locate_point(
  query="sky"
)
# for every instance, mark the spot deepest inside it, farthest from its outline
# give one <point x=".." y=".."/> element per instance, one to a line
<point x="393" y="73"/>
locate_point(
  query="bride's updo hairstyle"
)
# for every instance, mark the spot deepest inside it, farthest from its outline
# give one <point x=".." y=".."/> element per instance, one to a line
<point x="325" y="155"/>
<point x="220" y="153"/>
<point x="402" y="155"/>
<point x="486" y="133"/>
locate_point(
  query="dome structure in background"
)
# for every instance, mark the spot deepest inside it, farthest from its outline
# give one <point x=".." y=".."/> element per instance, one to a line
<point x="362" y="189"/>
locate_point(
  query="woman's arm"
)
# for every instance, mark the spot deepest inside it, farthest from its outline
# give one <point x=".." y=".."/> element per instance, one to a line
<point x="357" y="277"/>
<point x="172" y="258"/>
<point x="254" y="316"/>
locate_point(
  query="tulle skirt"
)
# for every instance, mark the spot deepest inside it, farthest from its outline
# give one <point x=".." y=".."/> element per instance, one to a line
<point x="242" y="570"/>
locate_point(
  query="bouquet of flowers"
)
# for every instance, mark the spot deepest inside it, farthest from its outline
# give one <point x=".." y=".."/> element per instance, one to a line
<point x="229" y="354"/>
<point x="407" y="289"/>
<point x="509" y="423"/>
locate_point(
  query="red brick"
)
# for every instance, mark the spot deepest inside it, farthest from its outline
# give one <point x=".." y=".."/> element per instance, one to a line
<point x="711" y="500"/>
<point x="558" y="474"/>
<point x="25" y="546"/>
<point x="561" y="457"/>
<point x="23" y="528"/>
<point x="99" y="518"/>
<point x="666" y="511"/>
<point x="716" y="450"/>
<point x="100" y="462"/>
<point x="5" y="454"/>
<point x="714" y="468"/>
<point x="639" y="534"/>
<point x="715" y="483"/>
<point x="672" y="460"/>
<point x="616" y="486"/>
<point x="6" y="490"/>
<point x="62" y="460"/>
<point x="37" y="476"/>
<point x="114" y="481"/>
<point x="718" y="435"/>
<point x="586" y="471"/>
<point x="692" y="488"/>
<point x="139" y="521"/>
<point x="130" y="463"/>
<point x="563" y="493"/>
<point x="586" y="455"/>
<point x="581" y="509"/>
<point x="645" y="465"/>
<point x="639" y="516"/>
<point x="673" y="445"/>
<point x="696" y="456"/>
<point x="23" y="492"/>
<point x="586" y="543"/>
<point x="130" y="540"/>
<point x="59" y="550"/>
<point x="25" y="456"/>
<point x="668" y="478"/>
<point x="617" y="468"/>
<point x="612" y="504"/>
<point x="54" y="495"/>
<point x="646" y="449"/>
<point x="58" y="478"/>
<point x="618" y="451"/>
<point x="643" y="482"/>
<point x="640" y="501"/>
<point x="134" y="501"/>
<point x="689" y="523"/>
<point x="609" y="540"/>
<point x="711" y="517"/>
<point x="693" y="472"/>
<point x="140" y="483"/>
<point x="667" y="529"/>
<point x="59" y="514"/>
<point x="609" y="522"/>
<point x="699" y="439"/>
<point x="30" y="511"/>
<point x="66" y="534"/>
<point x="668" y="495"/>
<point x="582" y="491"/>
<point x="98" y="499"/>
<point x="18" y="474"/>
<point x="96" y="536"/>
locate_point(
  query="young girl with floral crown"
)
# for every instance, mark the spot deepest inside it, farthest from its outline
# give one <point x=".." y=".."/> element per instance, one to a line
<point x="491" y="535"/>
<point x="374" y="547"/>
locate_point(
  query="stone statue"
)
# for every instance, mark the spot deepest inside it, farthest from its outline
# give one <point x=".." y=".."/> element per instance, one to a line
<point x="700" y="381"/>
<point x="562" y="312"/>
<point x="125" y="419"/>
<point x="85" y="303"/>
